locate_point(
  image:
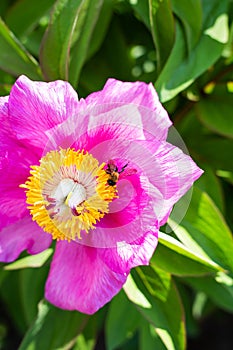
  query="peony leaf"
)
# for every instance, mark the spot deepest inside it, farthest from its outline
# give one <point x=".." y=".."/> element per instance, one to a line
<point x="166" y="313"/>
<point x="219" y="289"/>
<point x="86" y="340"/>
<point x="23" y="16"/>
<point x="53" y="328"/>
<point x="135" y="295"/>
<point x="205" y="231"/>
<point x="162" y="29"/>
<point x="215" y="112"/>
<point x="37" y="260"/>
<point x="174" y="257"/>
<point x="213" y="150"/>
<point x="211" y="184"/>
<point x="14" y="58"/>
<point x="121" y="322"/>
<point x="66" y="41"/>
<point x="141" y="7"/>
<point x="181" y="69"/>
<point x="22" y="305"/>
<point x="190" y="14"/>
<point x="31" y="285"/>
<point x="148" y="338"/>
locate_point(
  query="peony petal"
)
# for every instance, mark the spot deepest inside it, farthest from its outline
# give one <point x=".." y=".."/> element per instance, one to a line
<point x="14" y="170"/>
<point x="128" y="255"/>
<point x="79" y="279"/>
<point x="35" y="107"/>
<point x="92" y="127"/>
<point x="154" y="117"/>
<point x="4" y="121"/>
<point x="21" y="235"/>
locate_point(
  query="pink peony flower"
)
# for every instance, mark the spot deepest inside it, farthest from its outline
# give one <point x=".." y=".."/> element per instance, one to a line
<point x="97" y="175"/>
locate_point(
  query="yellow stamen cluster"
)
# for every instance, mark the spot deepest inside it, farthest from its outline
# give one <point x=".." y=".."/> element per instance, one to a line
<point x="53" y="214"/>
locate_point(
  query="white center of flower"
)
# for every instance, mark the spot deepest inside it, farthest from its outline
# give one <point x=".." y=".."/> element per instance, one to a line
<point x="69" y="192"/>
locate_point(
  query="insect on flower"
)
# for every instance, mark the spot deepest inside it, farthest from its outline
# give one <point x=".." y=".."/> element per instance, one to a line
<point x="114" y="173"/>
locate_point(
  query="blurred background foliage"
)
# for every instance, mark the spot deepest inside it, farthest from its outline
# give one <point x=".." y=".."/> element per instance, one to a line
<point x="184" y="299"/>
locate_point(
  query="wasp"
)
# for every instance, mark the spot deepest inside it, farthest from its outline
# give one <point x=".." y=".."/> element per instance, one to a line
<point x="114" y="172"/>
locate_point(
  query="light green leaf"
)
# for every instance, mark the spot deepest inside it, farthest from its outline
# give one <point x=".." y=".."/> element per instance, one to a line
<point x="226" y="175"/>
<point x="165" y="315"/>
<point x="174" y="257"/>
<point x="181" y="69"/>
<point x="206" y="230"/>
<point x="135" y="295"/>
<point x="30" y="261"/>
<point x="162" y="28"/>
<point x="53" y="328"/>
<point x="14" y="58"/>
<point x="65" y="44"/>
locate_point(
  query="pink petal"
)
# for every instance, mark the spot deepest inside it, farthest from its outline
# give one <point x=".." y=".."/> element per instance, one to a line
<point x="139" y="94"/>
<point x="14" y="170"/>
<point x="92" y="126"/>
<point x="5" y="126"/>
<point x="128" y="255"/>
<point x="22" y="235"/>
<point x="35" y="107"/>
<point x="79" y="279"/>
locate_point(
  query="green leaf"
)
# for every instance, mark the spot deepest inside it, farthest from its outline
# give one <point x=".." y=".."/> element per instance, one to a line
<point x="101" y="27"/>
<point x="85" y="29"/>
<point x="211" y="184"/>
<point x="148" y="338"/>
<point x="226" y="175"/>
<point x="65" y="44"/>
<point x="31" y="288"/>
<point x="121" y="322"/>
<point x="84" y="344"/>
<point x="190" y="14"/>
<point x="206" y="230"/>
<point x="135" y="295"/>
<point x="174" y="257"/>
<point x="53" y="328"/>
<point x="218" y="289"/>
<point x="181" y="69"/>
<point x="14" y="58"/>
<point x="215" y="112"/>
<point x="23" y="16"/>
<point x="21" y="291"/>
<point x="12" y="300"/>
<point x="88" y="338"/>
<point x="30" y="261"/>
<point x="165" y="315"/>
<point x="141" y="7"/>
<point x="162" y="28"/>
